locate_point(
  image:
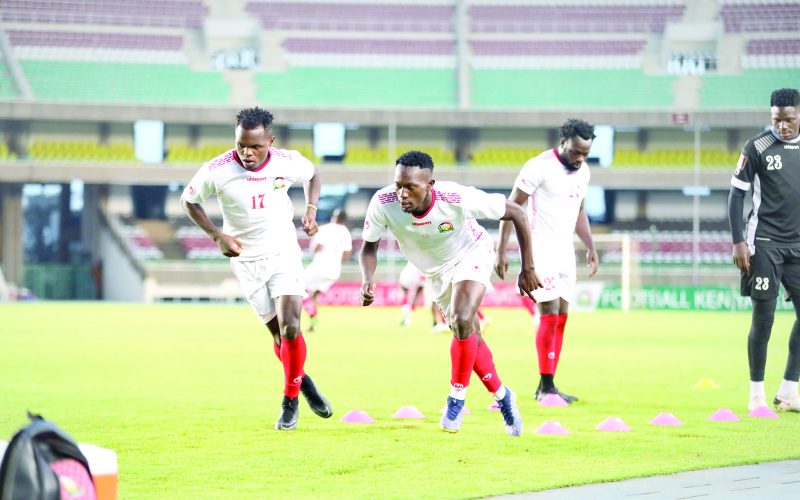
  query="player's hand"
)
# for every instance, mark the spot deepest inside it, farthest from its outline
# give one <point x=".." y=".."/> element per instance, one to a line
<point x="501" y="264"/>
<point x="528" y="282"/>
<point x="367" y="293"/>
<point x="229" y="246"/>
<point x="309" y="221"/>
<point x="741" y="257"/>
<point x="592" y="261"/>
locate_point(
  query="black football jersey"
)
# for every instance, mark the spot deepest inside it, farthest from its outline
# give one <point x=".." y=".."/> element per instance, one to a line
<point x="772" y="168"/>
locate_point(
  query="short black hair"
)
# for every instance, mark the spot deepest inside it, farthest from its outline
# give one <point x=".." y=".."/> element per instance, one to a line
<point x="251" y="118"/>
<point x="574" y="127"/>
<point x="785" y="98"/>
<point x="415" y="159"/>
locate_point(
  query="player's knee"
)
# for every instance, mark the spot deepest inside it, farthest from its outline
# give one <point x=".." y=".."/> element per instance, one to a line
<point x="290" y="330"/>
<point x="462" y="324"/>
<point x="763" y="318"/>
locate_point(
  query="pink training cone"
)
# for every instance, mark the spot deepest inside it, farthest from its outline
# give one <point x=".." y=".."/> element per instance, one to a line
<point x="551" y="427"/>
<point x="724" y="415"/>
<point x="666" y="419"/>
<point x="494" y="407"/>
<point x="357" y="417"/>
<point x="553" y="400"/>
<point x="613" y="424"/>
<point x="763" y="412"/>
<point x="408" y="412"/>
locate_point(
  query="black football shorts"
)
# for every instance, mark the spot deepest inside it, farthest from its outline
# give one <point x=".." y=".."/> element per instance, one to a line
<point x="769" y="267"/>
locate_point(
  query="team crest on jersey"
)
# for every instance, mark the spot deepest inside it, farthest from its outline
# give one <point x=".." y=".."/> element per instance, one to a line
<point x="446" y="227"/>
<point x="740" y="164"/>
<point x="279" y="183"/>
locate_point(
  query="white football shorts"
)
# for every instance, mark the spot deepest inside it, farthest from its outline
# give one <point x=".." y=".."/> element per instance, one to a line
<point x="264" y="280"/>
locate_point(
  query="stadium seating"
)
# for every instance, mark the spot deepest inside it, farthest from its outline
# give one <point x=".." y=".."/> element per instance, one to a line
<point x="6" y="83"/>
<point x="379" y="157"/>
<point x="152" y="13"/>
<point x="676" y="247"/>
<point x="358" y="87"/>
<point x="84" y="39"/>
<point x="343" y="16"/>
<point x="5" y="154"/>
<point x="673" y="158"/>
<point x="772" y="53"/>
<point x="80" y="150"/>
<point x="124" y="82"/>
<point x="570" y="18"/>
<point x="756" y="16"/>
<point x="571" y="89"/>
<point x="136" y="239"/>
<point x="750" y="89"/>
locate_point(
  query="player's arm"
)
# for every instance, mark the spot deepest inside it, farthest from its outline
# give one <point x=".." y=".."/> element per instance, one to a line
<point x="311" y="189"/>
<point x="741" y="255"/>
<point x="368" y="262"/>
<point x="584" y="232"/>
<point x="228" y="245"/>
<point x="519" y="197"/>
<point x="527" y="281"/>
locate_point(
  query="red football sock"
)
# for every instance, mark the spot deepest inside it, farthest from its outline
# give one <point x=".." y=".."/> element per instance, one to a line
<point x="562" y="322"/>
<point x="462" y="359"/>
<point x="545" y="343"/>
<point x="293" y="355"/>
<point x="529" y="305"/>
<point x="309" y="307"/>
<point x="484" y="368"/>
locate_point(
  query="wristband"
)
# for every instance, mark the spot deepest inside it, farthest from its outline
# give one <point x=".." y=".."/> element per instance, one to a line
<point x="311" y="206"/>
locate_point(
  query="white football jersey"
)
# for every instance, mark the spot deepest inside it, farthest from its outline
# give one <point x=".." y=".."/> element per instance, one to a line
<point x="555" y="198"/>
<point x="334" y="240"/>
<point x="444" y="234"/>
<point x="256" y="209"/>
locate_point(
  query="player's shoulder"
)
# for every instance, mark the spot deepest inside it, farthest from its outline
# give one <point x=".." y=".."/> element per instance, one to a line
<point x="759" y="143"/>
<point x="386" y="195"/>
<point x="225" y="159"/>
<point x="287" y="155"/>
<point x="449" y="191"/>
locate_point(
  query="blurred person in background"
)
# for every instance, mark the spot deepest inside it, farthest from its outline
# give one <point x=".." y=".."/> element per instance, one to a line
<point x="331" y="246"/>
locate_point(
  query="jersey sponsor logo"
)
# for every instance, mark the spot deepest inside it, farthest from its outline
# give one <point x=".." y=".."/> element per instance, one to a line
<point x="791" y="146"/>
<point x="740" y="164"/>
<point x="425" y="223"/>
<point x="256" y="179"/>
<point x="446" y="227"/>
<point x="279" y="183"/>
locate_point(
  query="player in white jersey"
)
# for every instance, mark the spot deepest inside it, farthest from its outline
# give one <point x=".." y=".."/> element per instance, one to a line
<point x="251" y="183"/>
<point x="331" y="245"/>
<point x="437" y="231"/>
<point x="554" y="184"/>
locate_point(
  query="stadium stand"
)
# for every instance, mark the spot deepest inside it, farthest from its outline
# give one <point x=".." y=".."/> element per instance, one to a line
<point x="759" y="16"/>
<point x="343" y="16"/>
<point x="571" y="89"/>
<point x="151" y="13"/>
<point x="553" y="17"/>
<point x="746" y="90"/>
<point x="80" y="150"/>
<point x="772" y="53"/>
<point x="136" y="239"/>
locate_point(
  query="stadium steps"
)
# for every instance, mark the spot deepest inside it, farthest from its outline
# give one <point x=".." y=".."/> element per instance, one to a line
<point x="162" y="234"/>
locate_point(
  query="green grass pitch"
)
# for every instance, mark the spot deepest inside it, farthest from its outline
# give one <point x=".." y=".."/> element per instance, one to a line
<point x="187" y="395"/>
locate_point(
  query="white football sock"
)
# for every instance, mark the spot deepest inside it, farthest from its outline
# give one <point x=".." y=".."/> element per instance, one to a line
<point x="788" y="389"/>
<point x="500" y="394"/>
<point x="757" y="389"/>
<point x="458" y="393"/>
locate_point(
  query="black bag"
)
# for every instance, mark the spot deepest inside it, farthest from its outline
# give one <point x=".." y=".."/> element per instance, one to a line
<point x="43" y="462"/>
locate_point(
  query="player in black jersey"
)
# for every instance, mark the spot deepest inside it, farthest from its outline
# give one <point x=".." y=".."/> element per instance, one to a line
<point x="768" y="251"/>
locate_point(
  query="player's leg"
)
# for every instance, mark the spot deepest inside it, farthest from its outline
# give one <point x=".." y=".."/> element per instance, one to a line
<point x="762" y="286"/>
<point x="788" y="398"/>
<point x="563" y="313"/>
<point x="546" y="345"/>
<point x="315" y="400"/>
